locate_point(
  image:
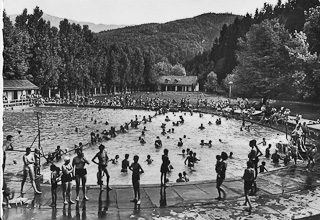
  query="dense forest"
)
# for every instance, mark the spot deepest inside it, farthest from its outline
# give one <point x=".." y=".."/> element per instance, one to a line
<point x="75" y="60"/>
<point x="273" y="53"/>
<point x="176" y="41"/>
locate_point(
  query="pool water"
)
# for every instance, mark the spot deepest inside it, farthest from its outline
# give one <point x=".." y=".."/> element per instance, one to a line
<point x="58" y="127"/>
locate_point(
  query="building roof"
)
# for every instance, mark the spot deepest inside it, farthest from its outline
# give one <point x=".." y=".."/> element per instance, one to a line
<point x="178" y="80"/>
<point x="18" y="85"/>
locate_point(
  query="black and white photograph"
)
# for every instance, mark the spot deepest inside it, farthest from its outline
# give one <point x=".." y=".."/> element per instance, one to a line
<point x="160" y="109"/>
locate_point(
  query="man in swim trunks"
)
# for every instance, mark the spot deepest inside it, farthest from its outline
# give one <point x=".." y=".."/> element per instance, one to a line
<point x="28" y="167"/>
<point x="79" y="163"/>
<point x="102" y="166"/>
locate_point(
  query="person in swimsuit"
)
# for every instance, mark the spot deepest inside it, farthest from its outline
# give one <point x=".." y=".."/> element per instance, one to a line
<point x="102" y="166"/>
<point x="136" y="171"/>
<point x="66" y="179"/>
<point x="311" y="156"/>
<point x="125" y="164"/>
<point x="248" y="178"/>
<point x="221" y="174"/>
<point x="55" y="178"/>
<point x="164" y="166"/>
<point x="28" y="167"/>
<point x="7" y="145"/>
<point x="78" y="164"/>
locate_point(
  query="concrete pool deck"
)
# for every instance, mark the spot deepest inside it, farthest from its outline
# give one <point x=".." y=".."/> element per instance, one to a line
<point x="288" y="193"/>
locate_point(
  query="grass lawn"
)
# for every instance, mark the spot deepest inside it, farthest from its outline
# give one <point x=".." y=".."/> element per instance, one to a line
<point x="307" y="110"/>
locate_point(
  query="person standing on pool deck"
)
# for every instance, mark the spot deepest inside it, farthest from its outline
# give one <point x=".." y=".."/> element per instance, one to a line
<point x="66" y="179"/>
<point x="164" y="166"/>
<point x="136" y="171"/>
<point x="248" y="178"/>
<point x="28" y="167"/>
<point x="78" y="164"/>
<point x="102" y="165"/>
<point x="254" y="155"/>
<point x="221" y="171"/>
<point x="7" y="145"/>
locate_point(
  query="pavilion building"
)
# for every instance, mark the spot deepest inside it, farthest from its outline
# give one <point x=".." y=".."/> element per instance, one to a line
<point x="178" y="83"/>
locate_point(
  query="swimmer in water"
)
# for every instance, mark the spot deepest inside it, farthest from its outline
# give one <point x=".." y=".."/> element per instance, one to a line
<point x="149" y="160"/>
<point x="125" y="164"/>
<point x="180" y="143"/>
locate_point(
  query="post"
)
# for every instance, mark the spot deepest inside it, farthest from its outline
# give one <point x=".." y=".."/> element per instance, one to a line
<point x="286" y="128"/>
<point x="230" y="85"/>
<point x="39" y="142"/>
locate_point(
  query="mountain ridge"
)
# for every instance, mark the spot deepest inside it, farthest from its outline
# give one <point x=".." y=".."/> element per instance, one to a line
<point x="55" y="21"/>
<point x="177" y="40"/>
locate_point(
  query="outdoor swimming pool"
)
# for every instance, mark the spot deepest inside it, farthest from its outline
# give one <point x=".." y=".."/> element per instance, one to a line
<point x="58" y="126"/>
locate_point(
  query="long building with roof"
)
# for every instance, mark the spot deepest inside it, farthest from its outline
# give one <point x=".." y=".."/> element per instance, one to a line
<point x="15" y="90"/>
<point x="178" y="83"/>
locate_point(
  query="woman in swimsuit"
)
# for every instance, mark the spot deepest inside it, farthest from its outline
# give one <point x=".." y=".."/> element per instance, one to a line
<point x="66" y="179"/>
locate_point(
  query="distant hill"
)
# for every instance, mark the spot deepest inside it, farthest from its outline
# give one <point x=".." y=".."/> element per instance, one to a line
<point x="55" y="21"/>
<point x="178" y="40"/>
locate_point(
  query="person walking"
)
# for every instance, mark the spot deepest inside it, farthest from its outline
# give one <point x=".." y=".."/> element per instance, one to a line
<point x="248" y="178"/>
<point x="78" y="164"/>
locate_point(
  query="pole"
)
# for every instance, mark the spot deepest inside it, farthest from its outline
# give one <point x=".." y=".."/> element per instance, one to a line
<point x="287" y="129"/>
<point x="39" y="143"/>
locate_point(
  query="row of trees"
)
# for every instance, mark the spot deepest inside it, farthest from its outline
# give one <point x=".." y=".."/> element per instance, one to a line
<point x="274" y="54"/>
<point x="71" y="58"/>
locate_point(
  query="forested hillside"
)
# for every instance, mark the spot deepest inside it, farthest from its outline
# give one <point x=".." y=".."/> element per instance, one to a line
<point x="177" y="40"/>
<point x="265" y="54"/>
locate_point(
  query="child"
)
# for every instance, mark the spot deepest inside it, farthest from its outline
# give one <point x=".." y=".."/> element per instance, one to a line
<point x="180" y="179"/>
<point x="125" y="164"/>
<point x="190" y="160"/>
<point x="180" y="143"/>
<point x="231" y="155"/>
<point x="201" y="127"/>
<point x="185" y="176"/>
<point x="183" y="153"/>
<point x="6" y="193"/>
<point x="149" y="160"/>
<point x="158" y="142"/>
<point x="115" y="160"/>
<point x="262" y="167"/>
<point x="248" y="177"/>
<point x="55" y="178"/>
<point x="142" y="140"/>
<point x="218" y="157"/>
<point x="136" y="171"/>
<point x="268" y="151"/>
<point x="286" y="159"/>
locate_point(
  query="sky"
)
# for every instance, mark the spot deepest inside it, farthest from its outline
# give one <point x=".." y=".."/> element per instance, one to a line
<point x="128" y="12"/>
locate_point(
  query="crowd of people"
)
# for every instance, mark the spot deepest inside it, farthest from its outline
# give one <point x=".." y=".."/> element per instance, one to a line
<point x="75" y="170"/>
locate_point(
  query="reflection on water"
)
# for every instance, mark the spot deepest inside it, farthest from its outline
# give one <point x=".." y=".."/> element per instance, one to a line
<point x="58" y="127"/>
